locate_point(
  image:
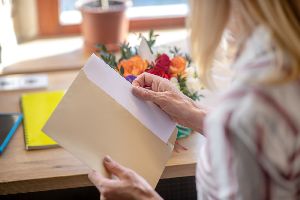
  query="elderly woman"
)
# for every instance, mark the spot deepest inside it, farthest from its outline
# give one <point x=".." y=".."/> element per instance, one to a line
<point x="253" y="138"/>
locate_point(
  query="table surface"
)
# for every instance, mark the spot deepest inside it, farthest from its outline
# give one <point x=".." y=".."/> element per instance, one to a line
<point x="40" y="170"/>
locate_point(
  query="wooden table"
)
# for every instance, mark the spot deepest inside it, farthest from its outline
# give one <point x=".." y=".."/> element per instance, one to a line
<point x="39" y="170"/>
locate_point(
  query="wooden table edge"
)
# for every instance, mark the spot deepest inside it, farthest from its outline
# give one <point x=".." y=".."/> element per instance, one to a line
<point x="81" y="180"/>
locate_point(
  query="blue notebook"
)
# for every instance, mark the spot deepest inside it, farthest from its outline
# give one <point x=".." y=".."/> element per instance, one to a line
<point x="9" y="123"/>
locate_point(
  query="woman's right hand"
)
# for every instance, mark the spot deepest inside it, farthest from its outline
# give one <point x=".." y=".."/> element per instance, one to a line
<point x="179" y="107"/>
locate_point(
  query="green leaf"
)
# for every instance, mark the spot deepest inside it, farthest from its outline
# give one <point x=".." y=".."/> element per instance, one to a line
<point x="122" y="71"/>
<point x="152" y="39"/>
<point x="175" y="51"/>
<point x="108" y="58"/>
<point x="151" y="33"/>
<point x="188" y="59"/>
<point x="127" y="51"/>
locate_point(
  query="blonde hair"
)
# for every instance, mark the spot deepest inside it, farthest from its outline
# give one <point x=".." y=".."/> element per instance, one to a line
<point x="209" y="19"/>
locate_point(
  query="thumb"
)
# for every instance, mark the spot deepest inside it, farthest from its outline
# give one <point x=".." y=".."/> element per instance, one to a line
<point x="114" y="168"/>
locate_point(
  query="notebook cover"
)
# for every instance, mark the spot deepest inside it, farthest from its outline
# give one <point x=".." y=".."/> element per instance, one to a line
<point x="37" y="108"/>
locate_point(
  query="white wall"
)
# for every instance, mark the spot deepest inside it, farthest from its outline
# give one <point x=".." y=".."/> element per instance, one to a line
<point x="7" y="36"/>
<point x="25" y="19"/>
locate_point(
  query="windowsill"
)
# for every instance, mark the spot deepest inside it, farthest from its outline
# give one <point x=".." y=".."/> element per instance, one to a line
<point x="179" y="10"/>
<point x="73" y="17"/>
<point x="65" y="53"/>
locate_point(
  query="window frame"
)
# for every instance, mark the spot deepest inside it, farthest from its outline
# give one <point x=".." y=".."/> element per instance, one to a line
<point x="49" y="24"/>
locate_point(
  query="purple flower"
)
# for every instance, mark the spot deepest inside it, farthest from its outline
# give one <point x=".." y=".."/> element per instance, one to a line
<point x="130" y="78"/>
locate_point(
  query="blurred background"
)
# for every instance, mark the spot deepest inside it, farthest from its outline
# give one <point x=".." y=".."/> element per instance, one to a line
<point x="140" y="9"/>
<point x="44" y="43"/>
<point x="51" y="29"/>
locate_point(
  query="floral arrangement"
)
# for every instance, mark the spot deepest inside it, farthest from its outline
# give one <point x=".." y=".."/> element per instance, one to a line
<point x="173" y="65"/>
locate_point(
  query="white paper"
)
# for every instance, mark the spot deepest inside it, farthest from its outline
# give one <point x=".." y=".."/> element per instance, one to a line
<point x="145" y="52"/>
<point x="120" y="89"/>
<point x="23" y="82"/>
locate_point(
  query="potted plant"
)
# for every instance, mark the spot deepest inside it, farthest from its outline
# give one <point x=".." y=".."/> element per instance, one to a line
<point x="103" y="22"/>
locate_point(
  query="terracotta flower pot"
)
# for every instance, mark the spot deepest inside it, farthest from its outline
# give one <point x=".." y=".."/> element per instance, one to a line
<point x="103" y="26"/>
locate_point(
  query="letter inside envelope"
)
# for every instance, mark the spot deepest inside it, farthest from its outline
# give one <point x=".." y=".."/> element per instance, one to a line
<point x="99" y="116"/>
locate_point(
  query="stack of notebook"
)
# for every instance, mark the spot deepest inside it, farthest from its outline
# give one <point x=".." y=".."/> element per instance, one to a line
<point x="37" y="108"/>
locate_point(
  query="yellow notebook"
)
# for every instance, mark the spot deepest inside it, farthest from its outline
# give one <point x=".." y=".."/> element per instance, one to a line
<point x="37" y="108"/>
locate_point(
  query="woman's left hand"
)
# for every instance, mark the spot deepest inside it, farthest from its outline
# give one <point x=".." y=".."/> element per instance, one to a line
<point x="129" y="184"/>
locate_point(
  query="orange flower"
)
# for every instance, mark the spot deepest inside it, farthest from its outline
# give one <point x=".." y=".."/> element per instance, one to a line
<point x="133" y="66"/>
<point x="178" y="64"/>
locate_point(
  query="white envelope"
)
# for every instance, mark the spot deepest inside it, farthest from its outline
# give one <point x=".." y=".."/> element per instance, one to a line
<point x="99" y="116"/>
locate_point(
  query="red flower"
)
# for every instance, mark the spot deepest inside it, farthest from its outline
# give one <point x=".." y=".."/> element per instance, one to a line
<point x="163" y="62"/>
<point x="159" y="72"/>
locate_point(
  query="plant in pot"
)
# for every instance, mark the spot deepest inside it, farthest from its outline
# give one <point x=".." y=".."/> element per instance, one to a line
<point x="103" y="22"/>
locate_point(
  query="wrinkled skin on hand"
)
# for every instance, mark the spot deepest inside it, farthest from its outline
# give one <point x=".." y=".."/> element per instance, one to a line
<point x="163" y="93"/>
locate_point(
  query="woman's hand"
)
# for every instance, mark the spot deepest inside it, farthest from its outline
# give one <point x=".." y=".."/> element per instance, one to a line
<point x="129" y="184"/>
<point x="180" y="108"/>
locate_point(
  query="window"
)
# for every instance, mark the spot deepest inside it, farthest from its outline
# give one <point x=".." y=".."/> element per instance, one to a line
<point x="143" y="14"/>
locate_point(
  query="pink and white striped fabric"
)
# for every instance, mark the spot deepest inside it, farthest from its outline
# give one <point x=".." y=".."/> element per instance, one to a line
<point x="253" y="138"/>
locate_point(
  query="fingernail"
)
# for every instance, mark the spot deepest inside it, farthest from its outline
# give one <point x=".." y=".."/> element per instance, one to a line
<point x="107" y="159"/>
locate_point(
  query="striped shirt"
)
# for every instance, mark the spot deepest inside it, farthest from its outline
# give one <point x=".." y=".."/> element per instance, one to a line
<point x="253" y="140"/>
